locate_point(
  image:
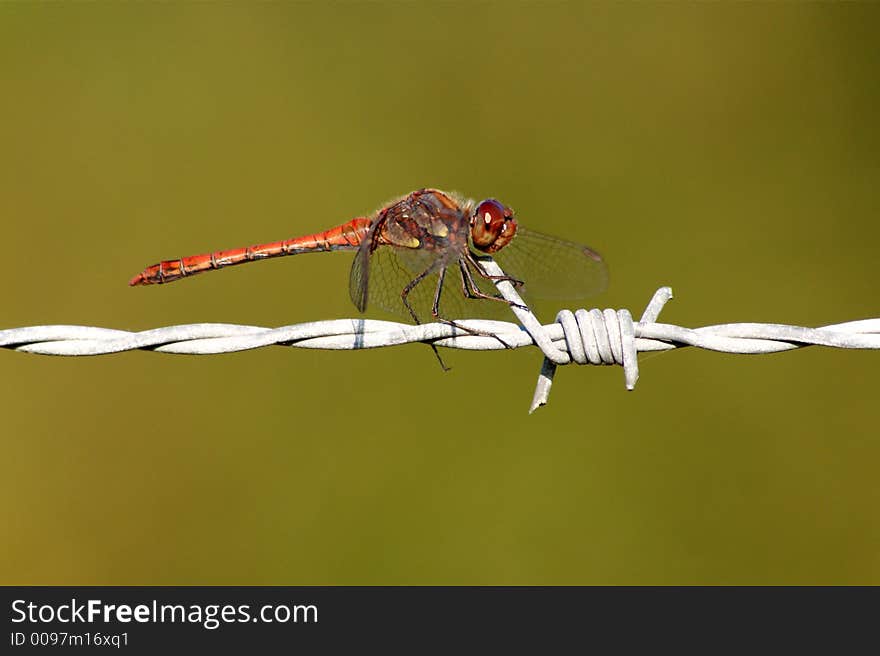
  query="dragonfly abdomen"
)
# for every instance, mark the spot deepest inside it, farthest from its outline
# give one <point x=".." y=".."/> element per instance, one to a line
<point x="347" y="236"/>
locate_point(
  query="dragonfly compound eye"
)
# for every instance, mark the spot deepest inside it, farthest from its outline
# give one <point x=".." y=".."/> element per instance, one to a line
<point x="492" y="226"/>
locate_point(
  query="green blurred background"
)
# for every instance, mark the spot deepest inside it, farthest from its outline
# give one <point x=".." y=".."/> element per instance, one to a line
<point x="732" y="152"/>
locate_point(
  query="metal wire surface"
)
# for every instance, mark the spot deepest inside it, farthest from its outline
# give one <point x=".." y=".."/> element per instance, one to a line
<point x="584" y="337"/>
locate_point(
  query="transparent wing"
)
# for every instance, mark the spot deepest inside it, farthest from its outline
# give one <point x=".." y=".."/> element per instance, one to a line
<point x="552" y="268"/>
<point x="380" y="278"/>
<point x="359" y="276"/>
<point x="549" y="267"/>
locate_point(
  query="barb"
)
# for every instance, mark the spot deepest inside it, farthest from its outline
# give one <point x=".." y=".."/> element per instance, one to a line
<point x="584" y="337"/>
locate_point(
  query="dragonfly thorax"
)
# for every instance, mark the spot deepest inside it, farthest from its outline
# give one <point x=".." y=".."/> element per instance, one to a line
<point x="492" y="226"/>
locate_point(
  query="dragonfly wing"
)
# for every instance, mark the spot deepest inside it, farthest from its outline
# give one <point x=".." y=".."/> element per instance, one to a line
<point x="359" y="276"/>
<point x="381" y="277"/>
<point x="378" y="279"/>
<point x="552" y="268"/>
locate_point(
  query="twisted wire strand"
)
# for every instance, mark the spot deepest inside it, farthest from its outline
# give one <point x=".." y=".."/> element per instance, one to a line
<point x="584" y="337"/>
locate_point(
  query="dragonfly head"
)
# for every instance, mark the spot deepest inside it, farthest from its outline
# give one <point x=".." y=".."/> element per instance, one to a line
<point x="492" y="226"/>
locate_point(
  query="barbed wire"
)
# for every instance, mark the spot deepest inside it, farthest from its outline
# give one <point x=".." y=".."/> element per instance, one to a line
<point x="597" y="337"/>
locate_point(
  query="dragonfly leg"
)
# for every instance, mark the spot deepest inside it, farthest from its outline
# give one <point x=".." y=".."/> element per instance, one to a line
<point x="473" y="262"/>
<point x="435" y="310"/>
<point x="405" y="293"/>
<point x="471" y="290"/>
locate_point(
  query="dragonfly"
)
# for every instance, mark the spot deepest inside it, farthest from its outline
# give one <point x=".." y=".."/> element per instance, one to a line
<point x="412" y="248"/>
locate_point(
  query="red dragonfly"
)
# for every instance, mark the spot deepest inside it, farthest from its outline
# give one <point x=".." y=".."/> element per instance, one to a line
<point x="418" y="239"/>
